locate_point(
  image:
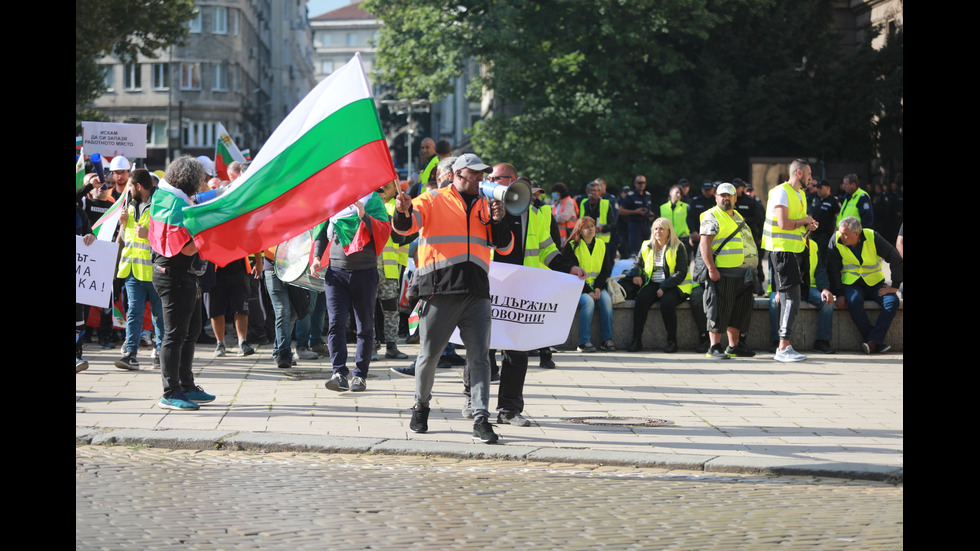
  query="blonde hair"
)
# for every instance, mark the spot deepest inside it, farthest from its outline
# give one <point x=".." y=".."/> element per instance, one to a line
<point x="672" y="240"/>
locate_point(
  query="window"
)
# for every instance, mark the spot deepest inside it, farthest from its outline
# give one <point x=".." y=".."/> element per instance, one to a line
<point x="190" y="76"/>
<point x="161" y="76"/>
<point x="323" y="39"/>
<point x="109" y="77"/>
<point x="132" y="77"/>
<point x="351" y="39"/>
<point x="234" y="22"/>
<point x="199" y="134"/>
<point x="327" y="67"/>
<point x="220" y="77"/>
<point x="156" y="133"/>
<point x="194" y="25"/>
<point x="219" y="24"/>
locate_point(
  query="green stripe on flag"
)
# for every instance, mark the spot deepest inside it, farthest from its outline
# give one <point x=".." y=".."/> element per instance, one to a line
<point x="341" y="133"/>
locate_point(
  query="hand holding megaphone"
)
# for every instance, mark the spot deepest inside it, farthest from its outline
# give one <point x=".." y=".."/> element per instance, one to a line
<point x="515" y="198"/>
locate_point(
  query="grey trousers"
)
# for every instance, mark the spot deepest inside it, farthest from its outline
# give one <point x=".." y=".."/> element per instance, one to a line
<point x="439" y="315"/>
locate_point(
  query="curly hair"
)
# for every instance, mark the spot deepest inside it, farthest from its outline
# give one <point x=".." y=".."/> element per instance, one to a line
<point x="186" y="174"/>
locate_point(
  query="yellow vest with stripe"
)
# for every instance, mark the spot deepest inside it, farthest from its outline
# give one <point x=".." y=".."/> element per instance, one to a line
<point x="869" y="269"/>
<point x="136" y="253"/>
<point x="539" y="248"/>
<point x="733" y="255"/>
<point x="592" y="261"/>
<point x="649" y="256"/>
<point x="392" y="255"/>
<point x="603" y="217"/>
<point x="777" y="239"/>
<point x="850" y="206"/>
<point x="677" y="217"/>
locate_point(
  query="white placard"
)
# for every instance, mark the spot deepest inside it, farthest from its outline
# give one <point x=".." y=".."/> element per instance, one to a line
<point x="530" y="307"/>
<point x="95" y="265"/>
<point x="114" y="138"/>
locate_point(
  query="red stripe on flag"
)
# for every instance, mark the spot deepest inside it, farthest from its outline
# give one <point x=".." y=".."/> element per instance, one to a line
<point x="166" y="239"/>
<point x="317" y="198"/>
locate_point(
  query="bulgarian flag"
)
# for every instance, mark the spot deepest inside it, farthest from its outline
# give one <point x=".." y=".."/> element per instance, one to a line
<point x="105" y="226"/>
<point x="80" y="170"/>
<point x="167" y="232"/>
<point x="327" y="153"/>
<point x="353" y="234"/>
<point x="225" y="152"/>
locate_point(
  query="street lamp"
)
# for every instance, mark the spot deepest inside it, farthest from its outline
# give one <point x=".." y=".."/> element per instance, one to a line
<point x="408" y="106"/>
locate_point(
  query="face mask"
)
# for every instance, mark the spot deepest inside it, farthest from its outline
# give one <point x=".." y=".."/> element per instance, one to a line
<point x="555" y="195"/>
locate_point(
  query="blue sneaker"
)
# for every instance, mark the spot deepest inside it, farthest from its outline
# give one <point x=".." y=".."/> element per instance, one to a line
<point x="177" y="400"/>
<point x="198" y="396"/>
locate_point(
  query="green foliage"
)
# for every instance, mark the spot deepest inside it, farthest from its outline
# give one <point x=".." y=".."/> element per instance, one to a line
<point x="616" y="88"/>
<point x="126" y="29"/>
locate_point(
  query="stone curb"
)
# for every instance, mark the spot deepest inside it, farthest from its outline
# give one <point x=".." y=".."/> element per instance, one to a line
<point x="278" y="442"/>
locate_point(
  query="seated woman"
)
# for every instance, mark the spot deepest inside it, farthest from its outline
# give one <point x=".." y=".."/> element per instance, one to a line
<point x="589" y="254"/>
<point x="661" y="271"/>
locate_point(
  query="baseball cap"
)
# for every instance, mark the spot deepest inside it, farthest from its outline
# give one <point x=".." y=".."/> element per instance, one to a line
<point x="472" y="162"/>
<point x="725" y="188"/>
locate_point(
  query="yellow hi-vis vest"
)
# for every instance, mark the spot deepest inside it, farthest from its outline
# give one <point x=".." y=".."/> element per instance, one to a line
<point x="869" y="269"/>
<point x="850" y="206"/>
<point x="136" y="253"/>
<point x="539" y="248"/>
<point x="603" y="217"/>
<point x="592" y="261"/>
<point x="775" y="238"/>
<point x="392" y="254"/>
<point x="677" y="217"/>
<point x="425" y="174"/>
<point x="733" y="255"/>
<point x="649" y="256"/>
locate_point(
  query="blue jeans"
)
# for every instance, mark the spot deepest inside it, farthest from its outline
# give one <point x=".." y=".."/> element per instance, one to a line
<point x="856" y="295"/>
<point x="284" y="312"/>
<point x="825" y="317"/>
<point x="138" y="293"/>
<point x="309" y="330"/>
<point x="586" y="307"/>
<point x="345" y="290"/>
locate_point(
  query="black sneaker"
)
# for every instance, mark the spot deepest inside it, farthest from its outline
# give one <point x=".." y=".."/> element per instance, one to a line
<point x="456" y="359"/>
<point x="635" y="346"/>
<point x="740" y="350"/>
<point x="420" y="419"/>
<point x="716" y="352"/>
<point x="407" y="371"/>
<point x="823" y="346"/>
<point x="671" y="347"/>
<point x="338" y="383"/>
<point x="129" y="362"/>
<point x="483" y="431"/>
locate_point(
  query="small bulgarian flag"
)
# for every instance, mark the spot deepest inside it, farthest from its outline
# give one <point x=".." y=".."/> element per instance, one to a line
<point x="167" y="232"/>
<point x="327" y="153"/>
<point x="413" y="319"/>
<point x="80" y="170"/>
<point x="105" y="226"/>
<point x="225" y="152"/>
<point x="351" y="231"/>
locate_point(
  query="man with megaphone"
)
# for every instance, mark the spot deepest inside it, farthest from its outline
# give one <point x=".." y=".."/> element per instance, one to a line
<point x="533" y="246"/>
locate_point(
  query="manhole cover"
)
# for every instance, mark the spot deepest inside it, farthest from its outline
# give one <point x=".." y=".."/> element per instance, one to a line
<point x="618" y="421"/>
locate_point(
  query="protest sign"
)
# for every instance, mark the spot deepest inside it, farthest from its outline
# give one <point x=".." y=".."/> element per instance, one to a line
<point x="530" y="307"/>
<point x="114" y="138"/>
<point x="94" y="267"/>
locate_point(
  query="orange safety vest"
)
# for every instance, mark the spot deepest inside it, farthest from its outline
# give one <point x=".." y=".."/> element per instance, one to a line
<point x="564" y="207"/>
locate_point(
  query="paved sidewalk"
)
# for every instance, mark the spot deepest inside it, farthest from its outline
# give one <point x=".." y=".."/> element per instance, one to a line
<point x="832" y="415"/>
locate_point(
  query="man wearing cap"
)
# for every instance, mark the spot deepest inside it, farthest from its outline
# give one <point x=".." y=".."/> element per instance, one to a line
<point x="784" y="237"/>
<point x="698" y="206"/>
<point x="458" y="229"/>
<point x="730" y="257"/>
<point x="825" y="214"/>
<point x="637" y="208"/>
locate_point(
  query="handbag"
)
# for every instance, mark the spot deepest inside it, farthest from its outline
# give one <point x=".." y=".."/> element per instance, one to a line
<point x="615" y="290"/>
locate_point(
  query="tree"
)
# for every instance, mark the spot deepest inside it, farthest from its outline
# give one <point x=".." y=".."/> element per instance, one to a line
<point x="621" y="87"/>
<point x="126" y="29"/>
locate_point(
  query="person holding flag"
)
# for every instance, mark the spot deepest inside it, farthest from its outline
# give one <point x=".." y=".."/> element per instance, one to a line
<point x="349" y="247"/>
<point x="176" y="267"/>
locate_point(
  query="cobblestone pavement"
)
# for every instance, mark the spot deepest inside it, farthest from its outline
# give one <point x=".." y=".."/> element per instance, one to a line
<point x="149" y="498"/>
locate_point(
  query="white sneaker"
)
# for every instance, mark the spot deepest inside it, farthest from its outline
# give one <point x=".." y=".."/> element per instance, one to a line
<point x="788" y="355"/>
